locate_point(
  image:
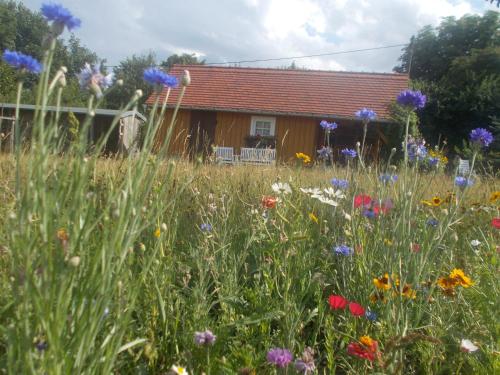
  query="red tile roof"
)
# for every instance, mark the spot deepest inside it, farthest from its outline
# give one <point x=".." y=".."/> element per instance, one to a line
<point x="280" y="91"/>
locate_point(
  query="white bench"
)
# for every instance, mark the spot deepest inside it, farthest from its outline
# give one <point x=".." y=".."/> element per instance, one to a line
<point x="258" y="155"/>
<point x="224" y="155"/>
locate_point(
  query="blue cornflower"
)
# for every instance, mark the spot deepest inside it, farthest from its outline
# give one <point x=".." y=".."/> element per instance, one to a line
<point x="413" y="99"/>
<point x="369" y="213"/>
<point x="340" y="184"/>
<point x="463" y="182"/>
<point x="366" y="114"/>
<point x="433" y="161"/>
<point x="371" y="315"/>
<point x="388" y="178"/>
<point x="324" y="152"/>
<point x="416" y="149"/>
<point x="92" y="78"/>
<point x="158" y="77"/>
<point x="328" y="126"/>
<point x="481" y="137"/>
<point x="61" y="17"/>
<point x="21" y="61"/>
<point x="205" y="227"/>
<point x="432" y="222"/>
<point x="349" y="152"/>
<point x="342" y="250"/>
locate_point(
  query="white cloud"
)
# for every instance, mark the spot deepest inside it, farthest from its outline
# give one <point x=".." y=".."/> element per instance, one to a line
<point x="230" y="30"/>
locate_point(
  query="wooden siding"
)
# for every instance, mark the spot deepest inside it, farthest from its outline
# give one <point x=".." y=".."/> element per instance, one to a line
<point x="295" y="134"/>
<point x="232" y="129"/>
<point x="179" y="141"/>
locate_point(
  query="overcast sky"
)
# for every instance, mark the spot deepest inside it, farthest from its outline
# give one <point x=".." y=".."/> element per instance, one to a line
<point x="230" y="30"/>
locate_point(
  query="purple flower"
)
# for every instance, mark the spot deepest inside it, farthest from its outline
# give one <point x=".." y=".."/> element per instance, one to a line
<point x="158" y="77"/>
<point x="412" y="99"/>
<point x="339" y="184"/>
<point x="204" y="338"/>
<point x="416" y="149"/>
<point x="61" y="16"/>
<point x="21" y="61"/>
<point x="92" y="78"/>
<point x="481" y="137"/>
<point x="369" y="213"/>
<point x="343" y="250"/>
<point x="371" y="315"/>
<point x="324" y="152"/>
<point x="385" y="178"/>
<point x="205" y="227"/>
<point x="463" y="182"/>
<point x="432" y="222"/>
<point x="305" y="364"/>
<point x="279" y="357"/>
<point x="433" y="161"/>
<point x="349" y="152"/>
<point x="328" y="126"/>
<point x="366" y="114"/>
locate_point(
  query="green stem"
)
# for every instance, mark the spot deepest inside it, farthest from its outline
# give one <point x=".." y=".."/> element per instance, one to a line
<point x="17" y="140"/>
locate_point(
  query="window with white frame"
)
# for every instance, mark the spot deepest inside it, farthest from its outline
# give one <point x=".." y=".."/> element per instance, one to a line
<point x="263" y="126"/>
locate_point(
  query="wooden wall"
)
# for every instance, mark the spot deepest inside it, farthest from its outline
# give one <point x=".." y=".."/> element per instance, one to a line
<point x="231" y="130"/>
<point x="295" y="134"/>
<point x="179" y="141"/>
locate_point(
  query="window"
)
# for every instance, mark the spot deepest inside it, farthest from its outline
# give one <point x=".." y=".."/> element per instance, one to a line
<point x="263" y="126"/>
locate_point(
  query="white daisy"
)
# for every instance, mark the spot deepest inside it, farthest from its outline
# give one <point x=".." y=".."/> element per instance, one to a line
<point x="179" y="370"/>
<point x="281" y="188"/>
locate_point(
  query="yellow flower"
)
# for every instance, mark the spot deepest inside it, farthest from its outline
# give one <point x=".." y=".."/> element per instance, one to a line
<point x="366" y="341"/>
<point x="495" y="196"/>
<point x="313" y="217"/>
<point x="447" y="283"/>
<point x="387" y="242"/>
<point x="436" y="201"/>
<point x="374" y="298"/>
<point x="427" y="203"/>
<point x="305" y="158"/>
<point x="408" y="292"/>
<point x="157" y="233"/>
<point x="460" y="277"/>
<point x="382" y="283"/>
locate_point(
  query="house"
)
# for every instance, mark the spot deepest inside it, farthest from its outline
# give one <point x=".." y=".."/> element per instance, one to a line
<point x="123" y="138"/>
<point x="276" y="108"/>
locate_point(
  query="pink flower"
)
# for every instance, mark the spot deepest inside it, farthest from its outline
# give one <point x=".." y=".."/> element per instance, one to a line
<point x="362" y="200"/>
<point x="496" y="222"/>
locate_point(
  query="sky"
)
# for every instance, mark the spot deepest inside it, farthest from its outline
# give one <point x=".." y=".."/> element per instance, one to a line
<point x="235" y="30"/>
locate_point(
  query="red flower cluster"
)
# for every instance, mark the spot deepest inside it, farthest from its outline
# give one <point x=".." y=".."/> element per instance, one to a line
<point x="269" y="202"/>
<point x="340" y="303"/>
<point x="371" y="207"/>
<point x="367" y="349"/>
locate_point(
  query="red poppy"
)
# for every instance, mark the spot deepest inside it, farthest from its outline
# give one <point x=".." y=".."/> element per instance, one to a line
<point x="496" y="222"/>
<point x="269" y="202"/>
<point x="337" y="302"/>
<point x="361" y="351"/>
<point x="362" y="200"/>
<point x="356" y="309"/>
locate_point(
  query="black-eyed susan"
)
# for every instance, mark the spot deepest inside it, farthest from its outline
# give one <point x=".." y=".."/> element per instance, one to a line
<point x="382" y="283"/>
<point x="436" y="201"/>
<point x="375" y="297"/>
<point x="461" y="279"/>
<point x="408" y="292"/>
<point x="447" y="283"/>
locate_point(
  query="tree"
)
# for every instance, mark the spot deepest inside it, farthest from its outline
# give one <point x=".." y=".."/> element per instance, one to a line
<point x="184" y="59"/>
<point x="131" y="72"/>
<point x="457" y="65"/>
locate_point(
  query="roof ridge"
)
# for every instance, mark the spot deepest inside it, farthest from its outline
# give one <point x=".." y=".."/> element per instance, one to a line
<point x="284" y="70"/>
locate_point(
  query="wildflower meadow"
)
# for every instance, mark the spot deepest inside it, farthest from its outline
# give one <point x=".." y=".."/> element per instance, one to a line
<point x="154" y="265"/>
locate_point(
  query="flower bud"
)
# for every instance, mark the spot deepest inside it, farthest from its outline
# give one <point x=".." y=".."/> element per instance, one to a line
<point x="186" y="78"/>
<point x="74" y="261"/>
<point x="119" y="82"/>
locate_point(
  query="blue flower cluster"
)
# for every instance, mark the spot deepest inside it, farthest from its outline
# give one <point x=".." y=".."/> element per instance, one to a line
<point x="343" y="250"/>
<point x="366" y="114"/>
<point x="481" y="137"/>
<point x="328" y="126"/>
<point x="340" y="184"/>
<point x="385" y="178"/>
<point x="349" y="152"/>
<point x="412" y="99"/>
<point x="158" y="77"/>
<point x="61" y="16"/>
<point x="22" y="62"/>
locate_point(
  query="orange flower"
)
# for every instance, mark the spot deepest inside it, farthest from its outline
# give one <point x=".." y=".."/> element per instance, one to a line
<point x="408" y="292"/>
<point x="460" y="277"/>
<point x="447" y="283"/>
<point x="269" y="202"/>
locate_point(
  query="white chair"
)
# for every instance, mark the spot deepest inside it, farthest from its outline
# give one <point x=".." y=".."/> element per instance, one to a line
<point x="463" y="167"/>
<point x="224" y="155"/>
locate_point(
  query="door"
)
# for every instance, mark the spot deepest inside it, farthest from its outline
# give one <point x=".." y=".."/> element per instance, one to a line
<point x="202" y="132"/>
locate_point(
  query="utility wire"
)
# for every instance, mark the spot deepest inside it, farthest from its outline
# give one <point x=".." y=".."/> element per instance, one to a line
<point x="297" y="57"/>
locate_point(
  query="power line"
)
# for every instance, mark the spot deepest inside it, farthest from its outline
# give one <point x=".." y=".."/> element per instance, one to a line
<point x="297" y="57"/>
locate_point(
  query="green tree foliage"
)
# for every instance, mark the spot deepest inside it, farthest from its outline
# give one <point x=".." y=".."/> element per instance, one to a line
<point x="24" y="30"/>
<point x="457" y="65"/>
<point x="131" y="71"/>
<point x="184" y="59"/>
